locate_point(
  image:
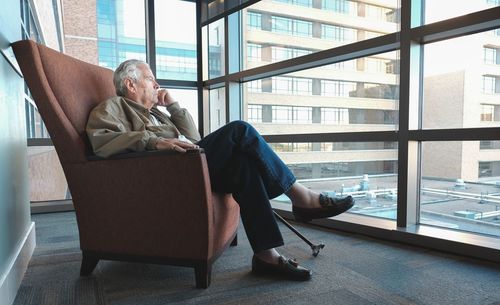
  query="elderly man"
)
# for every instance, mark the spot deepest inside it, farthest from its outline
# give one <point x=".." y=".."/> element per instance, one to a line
<point x="239" y="161"/>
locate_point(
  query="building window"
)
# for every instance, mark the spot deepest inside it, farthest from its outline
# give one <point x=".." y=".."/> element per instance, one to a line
<point x="335" y="116"/>
<point x="281" y="53"/>
<point x="378" y="13"/>
<point x="282" y="114"/>
<point x="349" y="65"/>
<point x="493" y="2"/>
<point x="376" y="65"/>
<point x="489" y="84"/>
<point x="337" y="33"/>
<point x="491" y="56"/>
<point x="487" y="113"/>
<point x="337" y="88"/>
<point x="306" y="3"/>
<point x="292" y="85"/>
<point x="291" y="115"/>
<point x="254" y="52"/>
<point x="485" y="169"/>
<point x="292" y="27"/>
<point x="302" y="115"/>
<point x="255" y="86"/>
<point x="340" y="6"/>
<point x="255" y="113"/>
<point x="254" y="20"/>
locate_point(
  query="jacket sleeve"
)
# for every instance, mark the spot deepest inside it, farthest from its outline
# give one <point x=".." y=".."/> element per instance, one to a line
<point x="184" y="122"/>
<point x="108" y="135"/>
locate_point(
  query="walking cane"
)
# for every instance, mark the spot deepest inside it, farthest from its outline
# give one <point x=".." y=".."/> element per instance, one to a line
<point x="315" y="248"/>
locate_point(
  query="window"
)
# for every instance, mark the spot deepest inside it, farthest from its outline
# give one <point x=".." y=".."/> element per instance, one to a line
<point x="337" y="33"/>
<point x="487" y="113"/>
<point x="291" y="27"/>
<point x="291" y="115"/>
<point x="340" y="6"/>
<point x="354" y="90"/>
<point x="282" y="114"/>
<point x="335" y="116"/>
<point x="490" y="56"/>
<point x="489" y="84"/>
<point x="254" y="20"/>
<point x="282" y="53"/>
<point x="349" y="65"/>
<point x="378" y="12"/>
<point x="255" y="86"/>
<point x="485" y="169"/>
<point x="337" y="88"/>
<point x="291" y="85"/>
<point x="254" y="52"/>
<point x="175" y="52"/>
<point x="255" y="113"/>
<point x="216" y="64"/>
<point x="118" y="36"/>
<point x="306" y="3"/>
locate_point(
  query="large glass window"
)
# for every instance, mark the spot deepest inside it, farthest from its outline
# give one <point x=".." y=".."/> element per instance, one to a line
<point x="460" y="190"/>
<point x="175" y="50"/>
<point x="461" y="89"/>
<point x="444" y="9"/>
<point x="216" y="64"/>
<point x="339" y="100"/>
<point x="364" y="170"/>
<point x="286" y="32"/>
<point x="120" y="32"/>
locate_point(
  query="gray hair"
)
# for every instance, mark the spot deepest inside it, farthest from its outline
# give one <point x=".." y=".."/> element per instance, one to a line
<point x="127" y="69"/>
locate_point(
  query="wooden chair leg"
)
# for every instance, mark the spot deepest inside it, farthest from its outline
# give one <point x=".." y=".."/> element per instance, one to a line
<point x="203" y="275"/>
<point x="88" y="264"/>
<point x="235" y="241"/>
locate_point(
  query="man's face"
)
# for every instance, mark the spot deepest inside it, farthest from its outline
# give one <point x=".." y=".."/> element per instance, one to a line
<point x="146" y="88"/>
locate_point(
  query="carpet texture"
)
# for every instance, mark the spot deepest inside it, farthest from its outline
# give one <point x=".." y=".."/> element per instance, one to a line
<point x="351" y="269"/>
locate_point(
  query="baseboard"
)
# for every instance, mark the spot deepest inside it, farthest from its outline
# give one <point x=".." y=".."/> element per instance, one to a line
<point x="13" y="276"/>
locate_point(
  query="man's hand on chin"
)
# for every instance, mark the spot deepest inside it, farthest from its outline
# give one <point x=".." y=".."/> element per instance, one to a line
<point x="164" y="98"/>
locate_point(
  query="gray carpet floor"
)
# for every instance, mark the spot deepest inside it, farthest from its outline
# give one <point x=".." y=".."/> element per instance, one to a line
<point x="351" y="269"/>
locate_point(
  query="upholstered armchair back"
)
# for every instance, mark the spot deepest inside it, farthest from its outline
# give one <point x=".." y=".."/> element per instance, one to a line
<point x="71" y="104"/>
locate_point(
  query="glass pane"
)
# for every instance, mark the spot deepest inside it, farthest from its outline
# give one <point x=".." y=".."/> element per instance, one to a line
<point x="175" y="24"/>
<point x="217" y="108"/>
<point x="216" y="64"/>
<point x="276" y="30"/>
<point x="444" y="9"/>
<point x="365" y="170"/>
<point x="356" y="95"/>
<point x="461" y="186"/>
<point x="187" y="99"/>
<point x="120" y="31"/>
<point x="462" y="82"/>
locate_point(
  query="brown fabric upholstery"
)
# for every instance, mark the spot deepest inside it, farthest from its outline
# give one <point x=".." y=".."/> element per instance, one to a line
<point x="155" y="207"/>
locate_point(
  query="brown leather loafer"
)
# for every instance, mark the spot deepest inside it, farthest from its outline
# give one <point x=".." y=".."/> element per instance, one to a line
<point x="286" y="268"/>
<point x="329" y="207"/>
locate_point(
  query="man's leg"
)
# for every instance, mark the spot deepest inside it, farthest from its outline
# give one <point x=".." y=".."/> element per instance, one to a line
<point x="249" y="191"/>
<point x="239" y="137"/>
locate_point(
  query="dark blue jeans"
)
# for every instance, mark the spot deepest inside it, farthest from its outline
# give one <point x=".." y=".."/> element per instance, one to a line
<point x="242" y="163"/>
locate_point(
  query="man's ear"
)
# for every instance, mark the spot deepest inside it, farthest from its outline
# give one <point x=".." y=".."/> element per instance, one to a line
<point x="130" y="85"/>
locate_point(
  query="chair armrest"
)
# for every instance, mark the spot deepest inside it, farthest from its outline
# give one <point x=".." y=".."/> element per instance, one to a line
<point x="141" y="154"/>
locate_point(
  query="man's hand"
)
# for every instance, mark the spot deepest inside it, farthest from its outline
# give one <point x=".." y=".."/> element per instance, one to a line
<point x="175" y="145"/>
<point x="164" y="98"/>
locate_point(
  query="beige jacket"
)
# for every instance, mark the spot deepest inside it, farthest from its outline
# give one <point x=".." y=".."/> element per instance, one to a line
<point x="120" y="125"/>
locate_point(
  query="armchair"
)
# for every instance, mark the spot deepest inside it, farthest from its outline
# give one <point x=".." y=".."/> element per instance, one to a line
<point x="155" y="207"/>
